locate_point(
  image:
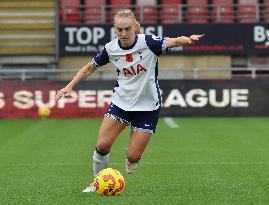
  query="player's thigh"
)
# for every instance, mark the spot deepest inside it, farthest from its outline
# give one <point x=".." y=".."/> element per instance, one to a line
<point x="108" y="132"/>
<point x="137" y="143"/>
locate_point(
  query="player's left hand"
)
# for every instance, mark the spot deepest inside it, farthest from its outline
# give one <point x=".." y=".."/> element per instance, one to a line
<point x="195" y="38"/>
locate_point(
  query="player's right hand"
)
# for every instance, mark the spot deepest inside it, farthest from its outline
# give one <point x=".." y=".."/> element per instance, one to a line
<point x="63" y="92"/>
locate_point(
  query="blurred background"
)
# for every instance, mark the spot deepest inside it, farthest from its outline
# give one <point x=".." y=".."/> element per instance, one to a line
<point x="211" y="144"/>
<point x="44" y="43"/>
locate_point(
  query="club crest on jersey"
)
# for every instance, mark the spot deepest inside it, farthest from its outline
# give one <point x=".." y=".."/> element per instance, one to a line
<point x="134" y="71"/>
<point x="129" y="57"/>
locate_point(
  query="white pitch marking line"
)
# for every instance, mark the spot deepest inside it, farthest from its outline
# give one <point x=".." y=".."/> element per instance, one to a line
<point x="170" y="122"/>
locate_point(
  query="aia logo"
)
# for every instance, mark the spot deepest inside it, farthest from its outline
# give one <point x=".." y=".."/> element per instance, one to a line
<point x="129" y="57"/>
<point x="132" y="71"/>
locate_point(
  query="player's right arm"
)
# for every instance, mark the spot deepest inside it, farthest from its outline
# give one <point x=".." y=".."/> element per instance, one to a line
<point x="82" y="74"/>
<point x="99" y="60"/>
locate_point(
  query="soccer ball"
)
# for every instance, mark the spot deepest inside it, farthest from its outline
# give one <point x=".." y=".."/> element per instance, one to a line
<point x="109" y="182"/>
<point x="44" y="111"/>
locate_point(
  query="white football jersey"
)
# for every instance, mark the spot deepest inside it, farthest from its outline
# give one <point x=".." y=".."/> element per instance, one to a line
<point x="137" y="87"/>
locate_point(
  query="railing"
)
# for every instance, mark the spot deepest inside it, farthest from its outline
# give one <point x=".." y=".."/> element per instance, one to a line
<point x="181" y="13"/>
<point x="111" y="74"/>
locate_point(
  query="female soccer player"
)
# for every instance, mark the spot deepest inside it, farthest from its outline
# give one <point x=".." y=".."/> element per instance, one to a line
<point x="136" y="98"/>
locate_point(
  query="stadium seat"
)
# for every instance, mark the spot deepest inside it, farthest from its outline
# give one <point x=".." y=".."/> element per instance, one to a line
<point x="94" y="12"/>
<point x="247" y="11"/>
<point x="266" y="11"/>
<point x="171" y="15"/>
<point x="171" y="11"/>
<point x="93" y="15"/>
<point x="196" y="2"/>
<point x="146" y="11"/>
<point x="266" y="15"/>
<point x="223" y="11"/>
<point x="197" y="11"/>
<point x="120" y="2"/>
<point x="171" y="2"/>
<point x="70" y="11"/>
<point x="148" y="16"/>
<point x="60" y="12"/>
<point x="223" y="2"/>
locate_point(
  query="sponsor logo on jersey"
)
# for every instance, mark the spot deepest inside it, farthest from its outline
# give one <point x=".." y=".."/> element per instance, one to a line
<point x="134" y="71"/>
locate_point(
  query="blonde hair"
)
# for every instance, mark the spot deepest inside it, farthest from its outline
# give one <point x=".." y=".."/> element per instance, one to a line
<point x="128" y="13"/>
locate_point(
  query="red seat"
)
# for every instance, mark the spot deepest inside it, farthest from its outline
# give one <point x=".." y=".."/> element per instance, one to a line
<point x="120" y="2"/>
<point x="94" y="13"/>
<point x="148" y="16"/>
<point x="70" y="11"/>
<point x="95" y="2"/>
<point x="93" y="16"/>
<point x="266" y="11"/>
<point x="146" y="11"/>
<point x="171" y="11"/>
<point x="196" y="2"/>
<point x="223" y="11"/>
<point x="197" y="11"/>
<point x="247" y="12"/>
<point x="169" y="2"/>
<point x="171" y="15"/>
<point x="223" y="14"/>
<point x="60" y="12"/>
<point x="197" y="15"/>
<point x="223" y="2"/>
<point x="245" y="2"/>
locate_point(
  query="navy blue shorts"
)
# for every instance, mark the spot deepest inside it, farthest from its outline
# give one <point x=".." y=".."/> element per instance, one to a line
<point x="141" y="121"/>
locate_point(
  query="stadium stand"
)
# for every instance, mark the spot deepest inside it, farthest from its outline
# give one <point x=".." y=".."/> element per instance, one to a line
<point x="223" y="11"/>
<point x="70" y="11"/>
<point x="165" y="11"/>
<point x="171" y="11"/>
<point x="247" y="11"/>
<point x="94" y="12"/>
<point x="147" y="11"/>
<point x="266" y="11"/>
<point x="27" y="30"/>
<point x="197" y="11"/>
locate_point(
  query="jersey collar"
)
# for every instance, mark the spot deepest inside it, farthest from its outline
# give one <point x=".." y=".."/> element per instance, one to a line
<point x="129" y="47"/>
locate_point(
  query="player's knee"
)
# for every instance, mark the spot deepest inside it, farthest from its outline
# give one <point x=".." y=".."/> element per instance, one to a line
<point x="133" y="157"/>
<point x="102" y="146"/>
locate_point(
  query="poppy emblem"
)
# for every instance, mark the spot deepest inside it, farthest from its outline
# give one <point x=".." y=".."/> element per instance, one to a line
<point x="129" y="57"/>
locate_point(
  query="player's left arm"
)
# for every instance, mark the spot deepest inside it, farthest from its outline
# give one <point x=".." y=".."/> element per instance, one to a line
<point x="183" y="41"/>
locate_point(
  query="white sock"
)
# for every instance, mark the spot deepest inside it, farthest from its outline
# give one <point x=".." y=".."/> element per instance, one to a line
<point x="130" y="167"/>
<point x="99" y="162"/>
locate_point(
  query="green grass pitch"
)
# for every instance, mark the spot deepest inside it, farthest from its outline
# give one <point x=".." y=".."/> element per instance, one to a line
<point x="203" y="161"/>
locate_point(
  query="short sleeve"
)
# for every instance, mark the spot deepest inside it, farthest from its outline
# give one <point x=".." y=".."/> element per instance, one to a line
<point x="156" y="44"/>
<point x="101" y="58"/>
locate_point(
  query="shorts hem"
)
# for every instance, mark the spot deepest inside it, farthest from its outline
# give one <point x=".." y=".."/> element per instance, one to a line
<point x="137" y="129"/>
<point x="116" y="118"/>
